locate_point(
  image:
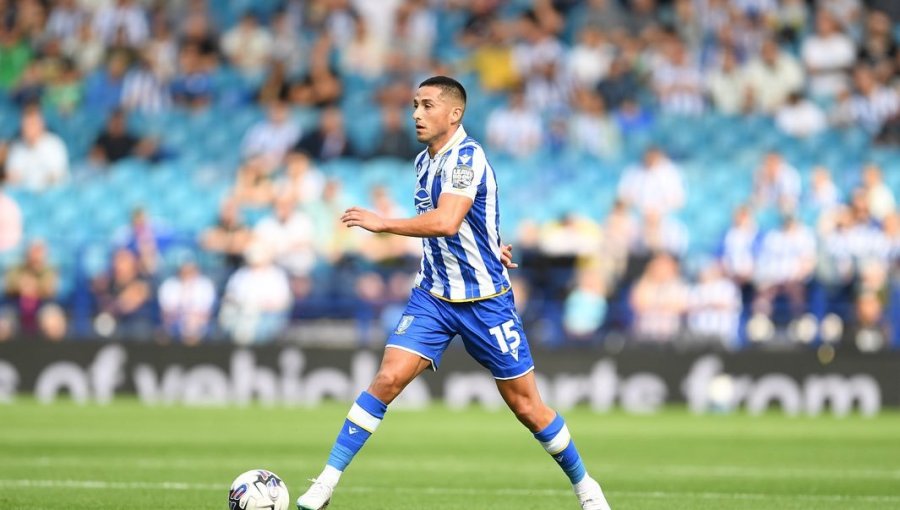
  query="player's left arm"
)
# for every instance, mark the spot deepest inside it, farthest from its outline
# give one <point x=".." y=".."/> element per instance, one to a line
<point x="442" y="221"/>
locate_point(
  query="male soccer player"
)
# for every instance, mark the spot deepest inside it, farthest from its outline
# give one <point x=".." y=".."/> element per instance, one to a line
<point x="462" y="288"/>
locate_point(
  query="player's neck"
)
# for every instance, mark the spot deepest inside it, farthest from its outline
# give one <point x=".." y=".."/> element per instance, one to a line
<point x="436" y="145"/>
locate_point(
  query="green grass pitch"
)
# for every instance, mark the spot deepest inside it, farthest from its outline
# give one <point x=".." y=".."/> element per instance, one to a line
<point x="126" y="456"/>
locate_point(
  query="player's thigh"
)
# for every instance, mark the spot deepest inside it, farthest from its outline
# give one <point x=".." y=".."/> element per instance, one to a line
<point x="493" y="334"/>
<point x="423" y="329"/>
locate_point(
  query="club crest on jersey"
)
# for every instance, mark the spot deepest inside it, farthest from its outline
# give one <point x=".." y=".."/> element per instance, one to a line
<point x="423" y="201"/>
<point x="462" y="177"/>
<point x="405" y="322"/>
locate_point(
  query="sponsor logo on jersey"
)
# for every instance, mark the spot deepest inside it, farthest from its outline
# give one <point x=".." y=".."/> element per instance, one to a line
<point x="463" y="175"/>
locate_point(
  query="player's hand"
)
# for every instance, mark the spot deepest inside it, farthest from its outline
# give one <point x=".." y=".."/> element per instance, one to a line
<point x="359" y="217"/>
<point x="506" y="256"/>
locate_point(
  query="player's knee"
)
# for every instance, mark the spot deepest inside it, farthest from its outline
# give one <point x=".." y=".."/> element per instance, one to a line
<point x="387" y="385"/>
<point x="525" y="410"/>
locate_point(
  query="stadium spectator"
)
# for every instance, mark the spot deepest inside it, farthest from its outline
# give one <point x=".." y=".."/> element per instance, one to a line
<point x="289" y="235"/>
<point x="799" y="117"/>
<point x="253" y="186"/>
<point x="390" y="252"/>
<point x="620" y="232"/>
<point x="515" y="129"/>
<point x="785" y="262"/>
<point x="115" y="142"/>
<point x="270" y="139"/>
<point x="337" y="245"/>
<point x="31" y="290"/>
<point x="772" y="77"/>
<point x="715" y="307"/>
<point x="878" y="49"/>
<point x="677" y="81"/>
<point x="122" y="18"/>
<point x="85" y="49"/>
<point x="824" y="195"/>
<point x="124" y="298"/>
<point x="192" y="85"/>
<point x="871" y="105"/>
<point x="591" y="58"/>
<point x="879" y="198"/>
<point x="661" y="234"/>
<point x="64" y="91"/>
<point x="145" y="88"/>
<point x="248" y="46"/>
<point x="160" y="54"/>
<point x="620" y="83"/>
<point x="146" y="239"/>
<point x="776" y="184"/>
<point x="654" y="185"/>
<point x="303" y="182"/>
<point x="396" y="141"/>
<point x="607" y="16"/>
<point x="633" y="118"/>
<point x="103" y="88"/>
<point x="186" y="302"/>
<point x="739" y="248"/>
<point x="330" y="140"/>
<point x="229" y="237"/>
<point x="727" y="85"/>
<point x="15" y="56"/>
<point x="659" y="300"/>
<point x="584" y="309"/>
<point x="415" y="32"/>
<point x="828" y="55"/>
<point x="39" y="160"/>
<point x="592" y="129"/>
<point x="494" y="60"/>
<point x="10" y="219"/>
<point x="65" y="20"/>
<point x="288" y="50"/>
<point x="257" y="299"/>
<point x="571" y="235"/>
<point x="365" y="55"/>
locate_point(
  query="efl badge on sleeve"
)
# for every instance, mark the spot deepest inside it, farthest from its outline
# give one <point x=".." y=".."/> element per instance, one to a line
<point x="463" y="175"/>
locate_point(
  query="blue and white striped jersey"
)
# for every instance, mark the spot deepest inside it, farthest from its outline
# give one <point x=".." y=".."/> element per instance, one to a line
<point x="465" y="266"/>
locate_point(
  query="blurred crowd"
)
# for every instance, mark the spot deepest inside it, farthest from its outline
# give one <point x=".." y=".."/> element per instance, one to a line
<point x="549" y="75"/>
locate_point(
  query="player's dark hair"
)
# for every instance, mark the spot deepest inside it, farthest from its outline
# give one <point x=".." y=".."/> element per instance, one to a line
<point x="447" y="85"/>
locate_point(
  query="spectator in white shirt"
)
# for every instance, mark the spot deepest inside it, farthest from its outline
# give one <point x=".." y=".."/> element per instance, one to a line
<point x="828" y="55"/>
<point x="590" y="59"/>
<point x="302" y="181"/>
<point x="289" y="234"/>
<point x="659" y="300"/>
<point x="786" y="260"/>
<point x="727" y="85"/>
<point x="515" y="129"/>
<point x="800" y="117"/>
<point x="592" y="129"/>
<point x="777" y="184"/>
<point x="66" y="18"/>
<point x="270" y="139"/>
<point x="653" y="186"/>
<point x="186" y="302"/>
<point x="715" y="307"/>
<point x="257" y="299"/>
<point x="772" y="77"/>
<point x="248" y="46"/>
<point x="39" y="160"/>
<point x="661" y="234"/>
<point x="878" y="195"/>
<point x="124" y="17"/>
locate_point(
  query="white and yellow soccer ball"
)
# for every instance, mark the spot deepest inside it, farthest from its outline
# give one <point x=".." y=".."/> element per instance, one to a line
<point x="258" y="489"/>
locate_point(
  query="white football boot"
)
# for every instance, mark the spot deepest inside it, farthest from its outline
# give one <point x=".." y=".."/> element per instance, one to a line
<point x="316" y="497"/>
<point x="590" y="495"/>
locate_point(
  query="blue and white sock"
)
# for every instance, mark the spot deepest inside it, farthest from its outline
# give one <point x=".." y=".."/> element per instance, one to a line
<point x="557" y="441"/>
<point x="362" y="421"/>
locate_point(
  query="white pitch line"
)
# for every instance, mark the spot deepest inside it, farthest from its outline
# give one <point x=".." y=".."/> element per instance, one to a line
<point x="450" y="491"/>
<point x="670" y="470"/>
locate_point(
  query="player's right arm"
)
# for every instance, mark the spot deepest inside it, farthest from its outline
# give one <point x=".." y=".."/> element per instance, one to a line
<point x="442" y="221"/>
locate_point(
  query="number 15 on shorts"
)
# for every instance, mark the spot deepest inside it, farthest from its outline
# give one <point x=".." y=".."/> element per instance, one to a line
<point x="507" y="338"/>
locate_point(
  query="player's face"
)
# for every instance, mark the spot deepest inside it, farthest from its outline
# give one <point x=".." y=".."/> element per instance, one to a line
<point x="432" y="113"/>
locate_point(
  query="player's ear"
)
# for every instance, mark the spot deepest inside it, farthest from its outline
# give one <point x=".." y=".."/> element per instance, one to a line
<point x="456" y="114"/>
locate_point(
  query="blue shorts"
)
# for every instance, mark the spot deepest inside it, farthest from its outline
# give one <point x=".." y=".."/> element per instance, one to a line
<point x="491" y="332"/>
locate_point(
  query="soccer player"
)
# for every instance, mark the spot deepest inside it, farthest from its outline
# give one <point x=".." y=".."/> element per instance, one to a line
<point x="462" y="288"/>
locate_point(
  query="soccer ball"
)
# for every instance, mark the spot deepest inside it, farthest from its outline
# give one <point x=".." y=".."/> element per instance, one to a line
<point x="258" y="490"/>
